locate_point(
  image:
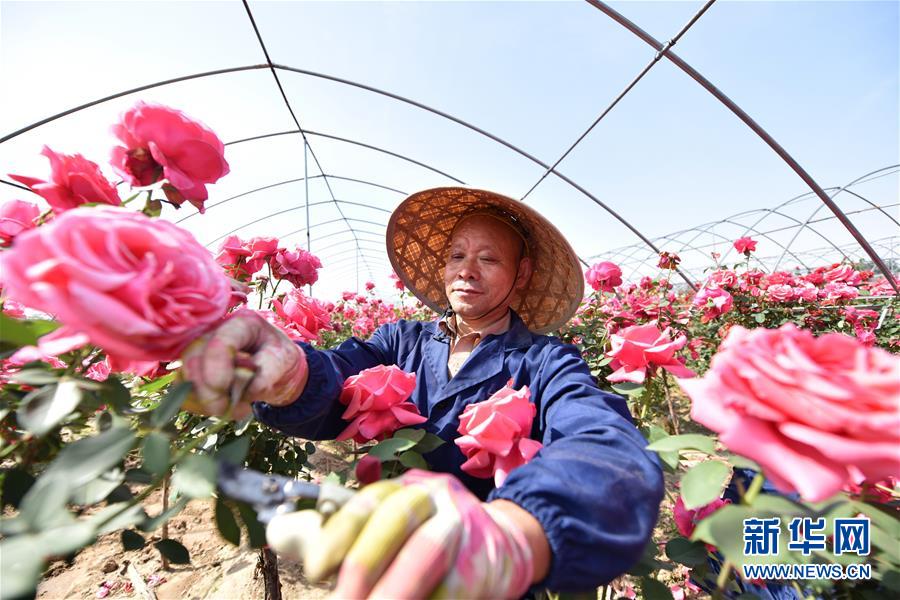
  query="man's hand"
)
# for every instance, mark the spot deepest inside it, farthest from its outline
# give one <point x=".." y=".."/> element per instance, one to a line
<point x="211" y="360"/>
<point x="421" y="536"/>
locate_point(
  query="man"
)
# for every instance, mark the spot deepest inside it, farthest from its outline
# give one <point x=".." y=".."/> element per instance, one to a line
<point x="581" y="511"/>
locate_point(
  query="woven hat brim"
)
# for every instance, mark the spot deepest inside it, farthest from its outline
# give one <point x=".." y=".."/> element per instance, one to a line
<point x="418" y="238"/>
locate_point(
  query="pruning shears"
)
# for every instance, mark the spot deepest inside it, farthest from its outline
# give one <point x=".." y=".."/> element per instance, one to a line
<point x="272" y="495"/>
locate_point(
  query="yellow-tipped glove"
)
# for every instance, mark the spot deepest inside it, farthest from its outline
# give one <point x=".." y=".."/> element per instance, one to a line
<point x="423" y="535"/>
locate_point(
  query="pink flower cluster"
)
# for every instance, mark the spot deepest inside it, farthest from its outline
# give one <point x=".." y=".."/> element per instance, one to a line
<point x="377" y="405"/>
<point x="158" y="144"/>
<point x="817" y="413"/>
<point x="242" y="259"/>
<point x="495" y="434"/>
<point x="299" y="316"/>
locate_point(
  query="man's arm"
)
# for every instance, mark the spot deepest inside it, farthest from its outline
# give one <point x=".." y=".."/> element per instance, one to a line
<point x="593" y="488"/>
<point x="316" y="413"/>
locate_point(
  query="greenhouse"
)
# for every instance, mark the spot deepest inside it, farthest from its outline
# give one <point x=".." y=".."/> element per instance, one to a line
<point x="313" y="299"/>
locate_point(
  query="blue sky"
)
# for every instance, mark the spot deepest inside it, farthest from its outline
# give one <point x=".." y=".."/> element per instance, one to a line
<point x="821" y="77"/>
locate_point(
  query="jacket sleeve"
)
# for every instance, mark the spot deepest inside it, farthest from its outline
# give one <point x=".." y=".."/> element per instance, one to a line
<point x="316" y="414"/>
<point x="593" y="487"/>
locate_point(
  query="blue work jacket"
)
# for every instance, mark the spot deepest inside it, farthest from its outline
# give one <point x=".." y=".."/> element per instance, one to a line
<point x="593" y="487"/>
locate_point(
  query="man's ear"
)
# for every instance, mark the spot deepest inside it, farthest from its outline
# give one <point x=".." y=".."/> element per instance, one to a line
<point x="525" y="271"/>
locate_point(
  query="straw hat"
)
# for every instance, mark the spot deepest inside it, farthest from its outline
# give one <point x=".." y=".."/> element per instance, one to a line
<point x="418" y="238"/>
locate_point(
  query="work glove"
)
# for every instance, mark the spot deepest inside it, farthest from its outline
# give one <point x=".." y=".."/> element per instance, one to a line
<point x="218" y="362"/>
<point x="423" y="535"/>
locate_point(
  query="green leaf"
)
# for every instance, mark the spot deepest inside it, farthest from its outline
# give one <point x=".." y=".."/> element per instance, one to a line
<point x="415" y="435"/>
<point x="156" y="384"/>
<point x="114" y="393"/>
<point x="155" y="452"/>
<point x="170" y="404"/>
<point x="704" y="483"/>
<point x="654" y="590"/>
<point x="670" y="459"/>
<point x="21" y="567"/>
<point x="689" y="441"/>
<point x="741" y="462"/>
<point x="124" y="517"/>
<point x="891" y="580"/>
<point x="235" y="451"/>
<point x="44" y="506"/>
<point x="225" y="521"/>
<point x="35" y="377"/>
<point x="154" y="523"/>
<point x="388" y="449"/>
<point x="15" y="332"/>
<point x="428" y="443"/>
<point x="132" y="540"/>
<point x="686" y="552"/>
<point x="67" y="539"/>
<point x="195" y="476"/>
<point x="85" y="459"/>
<point x="880" y="518"/>
<point x="310" y="448"/>
<point x="16" y="484"/>
<point x="174" y="551"/>
<point x="45" y="408"/>
<point x="759" y="318"/>
<point x="628" y="388"/>
<point x="256" y="531"/>
<point x="724" y="529"/>
<point x="94" y="491"/>
<point x="413" y="460"/>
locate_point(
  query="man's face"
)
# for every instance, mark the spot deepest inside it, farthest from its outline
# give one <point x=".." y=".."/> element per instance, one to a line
<point x="481" y="267"/>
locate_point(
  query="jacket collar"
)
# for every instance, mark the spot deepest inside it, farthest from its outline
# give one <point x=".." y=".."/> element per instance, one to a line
<point x="516" y="337"/>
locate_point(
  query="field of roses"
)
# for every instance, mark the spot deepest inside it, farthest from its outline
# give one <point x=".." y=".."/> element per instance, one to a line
<point x="764" y="393"/>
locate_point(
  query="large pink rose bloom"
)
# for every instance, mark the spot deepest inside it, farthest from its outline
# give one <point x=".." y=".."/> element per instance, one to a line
<point x="241" y="259"/>
<point x="642" y="348"/>
<point x="16" y="216"/>
<point x="714" y="302"/>
<point x="377" y="403"/>
<point x="815" y="413"/>
<point x="74" y="180"/>
<point x="139" y="288"/>
<point x="604" y="276"/>
<point x="305" y="315"/>
<point x="163" y="143"/>
<point x="495" y="434"/>
<point x="298" y="267"/>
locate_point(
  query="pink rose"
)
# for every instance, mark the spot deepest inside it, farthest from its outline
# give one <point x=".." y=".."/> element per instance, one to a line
<point x="813" y="412"/>
<point x="495" y="434"/>
<point x="604" y="276"/>
<point x="837" y="291"/>
<point x="668" y="260"/>
<point x="298" y="267"/>
<point x="745" y="245"/>
<point x="376" y="402"/>
<point x="686" y="520"/>
<point x="305" y="315"/>
<point x="780" y="293"/>
<point x="74" y="180"/>
<point x="806" y="292"/>
<point x="242" y="259"/>
<point x="368" y="469"/>
<point x="725" y="278"/>
<point x="714" y="302"/>
<point x="397" y="282"/>
<point x="16" y="216"/>
<point x="98" y="371"/>
<point x="347" y="296"/>
<point x="370" y="286"/>
<point x="137" y="287"/>
<point x="844" y="273"/>
<point x="163" y="143"/>
<point x="642" y="348"/>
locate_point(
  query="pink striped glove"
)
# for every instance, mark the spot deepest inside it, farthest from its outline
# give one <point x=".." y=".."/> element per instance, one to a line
<point x="423" y="535"/>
